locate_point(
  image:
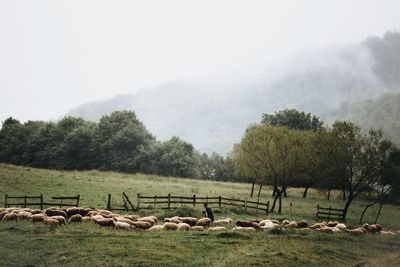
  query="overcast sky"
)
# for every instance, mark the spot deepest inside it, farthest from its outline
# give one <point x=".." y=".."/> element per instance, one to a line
<point x="55" y="55"/>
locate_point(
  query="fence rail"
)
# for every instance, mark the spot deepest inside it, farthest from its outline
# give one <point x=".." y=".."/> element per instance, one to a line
<point x="330" y="213"/>
<point x="32" y="201"/>
<point x="169" y="202"/>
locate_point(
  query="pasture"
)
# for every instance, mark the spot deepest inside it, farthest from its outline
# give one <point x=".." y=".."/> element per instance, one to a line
<point x="23" y="244"/>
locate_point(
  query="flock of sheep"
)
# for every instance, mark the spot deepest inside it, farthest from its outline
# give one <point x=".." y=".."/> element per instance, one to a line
<point x="105" y="218"/>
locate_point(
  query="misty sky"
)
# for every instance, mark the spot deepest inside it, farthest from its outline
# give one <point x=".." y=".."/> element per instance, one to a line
<point x="55" y="55"/>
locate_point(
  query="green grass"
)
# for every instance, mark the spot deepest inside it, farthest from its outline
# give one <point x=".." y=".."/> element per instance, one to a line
<point x="24" y="244"/>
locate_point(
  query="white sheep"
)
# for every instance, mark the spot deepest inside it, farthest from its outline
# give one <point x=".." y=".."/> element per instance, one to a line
<point x="217" y="229"/>
<point x="155" y="228"/>
<point x="183" y="227"/>
<point x="244" y="229"/>
<point x="223" y="222"/>
<point x="122" y="225"/>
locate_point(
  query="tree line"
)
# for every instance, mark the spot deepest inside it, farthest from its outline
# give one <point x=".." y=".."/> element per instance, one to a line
<point x="291" y="148"/>
<point x="118" y="142"/>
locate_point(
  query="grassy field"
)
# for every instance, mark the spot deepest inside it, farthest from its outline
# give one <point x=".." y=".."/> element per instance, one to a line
<point x="24" y="244"/>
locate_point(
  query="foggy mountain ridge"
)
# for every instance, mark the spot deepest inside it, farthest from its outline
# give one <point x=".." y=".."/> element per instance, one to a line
<point x="330" y="83"/>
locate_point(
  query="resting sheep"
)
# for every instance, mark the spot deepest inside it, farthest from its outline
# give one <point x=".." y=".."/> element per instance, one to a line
<point x="358" y="231"/>
<point x="197" y="228"/>
<point x="244" y="229"/>
<point x="217" y="229"/>
<point x="155" y="228"/>
<point x="248" y="224"/>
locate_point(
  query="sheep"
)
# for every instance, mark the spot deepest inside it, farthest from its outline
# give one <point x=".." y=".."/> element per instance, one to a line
<point x="269" y="225"/>
<point x="124" y="220"/>
<point x="104" y="222"/>
<point x="2" y="209"/>
<point x="97" y="217"/>
<point x="36" y="211"/>
<point x="76" y="218"/>
<point x="122" y="225"/>
<point x="366" y="226"/>
<point x="189" y="220"/>
<point x="86" y="219"/>
<point x="148" y="220"/>
<point x="285" y="222"/>
<point x="301" y="224"/>
<point x="292" y="224"/>
<point x="387" y="233"/>
<point x="248" y="224"/>
<point x="203" y="222"/>
<point x="50" y="221"/>
<point x="173" y="220"/>
<point x="263" y="222"/>
<point x="170" y="226"/>
<point x="142" y="224"/>
<point x="358" y="231"/>
<point x="218" y="229"/>
<point x="318" y="225"/>
<point x="10" y="217"/>
<point x="223" y="222"/>
<point x="376" y="227"/>
<point x="325" y="229"/>
<point x="340" y="226"/>
<point x="155" y="228"/>
<point x="196" y="228"/>
<point x="59" y="218"/>
<point x="183" y="227"/>
<point x="37" y="217"/>
<point x="54" y="212"/>
<point x="131" y="217"/>
<point x="2" y="214"/>
<point x="306" y="229"/>
<point x="332" y="224"/>
<point x="24" y="215"/>
<point x="244" y="229"/>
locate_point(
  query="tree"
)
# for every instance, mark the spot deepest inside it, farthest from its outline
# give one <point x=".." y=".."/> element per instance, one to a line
<point x="293" y="119"/>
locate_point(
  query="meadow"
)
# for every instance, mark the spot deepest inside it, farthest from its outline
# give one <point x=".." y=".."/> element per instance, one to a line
<point x="24" y="244"/>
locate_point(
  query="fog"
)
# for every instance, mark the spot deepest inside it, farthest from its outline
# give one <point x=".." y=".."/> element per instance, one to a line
<point x="55" y="55"/>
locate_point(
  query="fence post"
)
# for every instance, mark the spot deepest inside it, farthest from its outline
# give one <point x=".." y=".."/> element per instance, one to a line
<point x="219" y="201"/>
<point x="169" y="201"/>
<point x="267" y="208"/>
<point x="245" y="203"/>
<point x="258" y="201"/>
<point x="291" y="210"/>
<point x="5" y="201"/>
<point x="25" y="201"/>
<point x="109" y="202"/>
<point x="41" y="201"/>
<point x="77" y="200"/>
<point x="138" y="202"/>
<point x="194" y="201"/>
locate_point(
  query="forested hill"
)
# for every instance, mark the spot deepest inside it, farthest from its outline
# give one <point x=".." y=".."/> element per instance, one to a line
<point x="338" y="82"/>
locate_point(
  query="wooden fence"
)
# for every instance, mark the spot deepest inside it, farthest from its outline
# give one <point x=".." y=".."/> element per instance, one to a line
<point x="171" y="202"/>
<point x="126" y="205"/>
<point x="38" y="201"/>
<point x="330" y="213"/>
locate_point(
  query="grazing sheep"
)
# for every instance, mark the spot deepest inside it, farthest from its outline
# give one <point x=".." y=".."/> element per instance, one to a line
<point x="183" y="227"/>
<point x="132" y="217"/>
<point x="285" y="222"/>
<point x="10" y="217"/>
<point x="269" y="225"/>
<point x="263" y="222"/>
<point x="155" y="228"/>
<point x="223" y="222"/>
<point x="197" y="228"/>
<point x="86" y="219"/>
<point x="387" y="233"/>
<point x="50" y="221"/>
<point x="248" y="224"/>
<point x="189" y="220"/>
<point x="292" y="224"/>
<point x="244" y="229"/>
<point x="142" y="224"/>
<point x="24" y="215"/>
<point x="340" y="226"/>
<point x="148" y="220"/>
<point x="170" y="226"/>
<point x="125" y="220"/>
<point x="54" y="212"/>
<point x="203" y="222"/>
<point x="36" y="211"/>
<point x="37" y="217"/>
<point x="307" y="229"/>
<point x="2" y="214"/>
<point x="73" y="211"/>
<point x="302" y="224"/>
<point x="97" y="217"/>
<point x="76" y="218"/>
<point x="104" y="222"/>
<point x="358" y="231"/>
<point x="122" y="225"/>
<point x="377" y="227"/>
<point x="318" y="225"/>
<point x="2" y="209"/>
<point x="218" y="229"/>
<point x="59" y="218"/>
<point x="366" y="226"/>
<point x="332" y="224"/>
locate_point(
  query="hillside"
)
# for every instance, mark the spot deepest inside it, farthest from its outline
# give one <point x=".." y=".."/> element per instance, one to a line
<point x="212" y="115"/>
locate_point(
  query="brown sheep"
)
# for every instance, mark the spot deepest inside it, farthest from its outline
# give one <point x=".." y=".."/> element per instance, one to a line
<point x="50" y="221"/>
<point x="285" y="222"/>
<point x="248" y="224"/>
<point x="292" y="224"/>
<point x="76" y="218"/>
<point x="104" y="222"/>
<point x="37" y="217"/>
<point x="124" y="220"/>
<point x="173" y="220"/>
<point x="59" y="218"/>
<point x="36" y="211"/>
<point x="203" y="222"/>
<point x="142" y="224"/>
<point x="170" y="226"/>
<point x="302" y="224"/>
<point x="2" y="214"/>
<point x="318" y="225"/>
<point x="189" y="220"/>
<point x="333" y="224"/>
<point x="377" y="227"/>
<point x="10" y="217"/>
<point x="24" y="215"/>
<point x="183" y="227"/>
<point x="54" y="212"/>
<point x="147" y="219"/>
<point x="132" y="217"/>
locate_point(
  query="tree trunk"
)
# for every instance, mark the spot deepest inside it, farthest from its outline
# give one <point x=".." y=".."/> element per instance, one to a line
<point x="275" y="191"/>
<point x="329" y="194"/>
<point x="305" y="191"/>
<point x="273" y="204"/>
<point x="259" y="191"/>
<point x="344" y="194"/>
<point x="379" y="212"/>
<point x="347" y="205"/>
<point x="252" y="189"/>
<point x="284" y="191"/>
<point x="280" y="203"/>
<point x="363" y="213"/>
